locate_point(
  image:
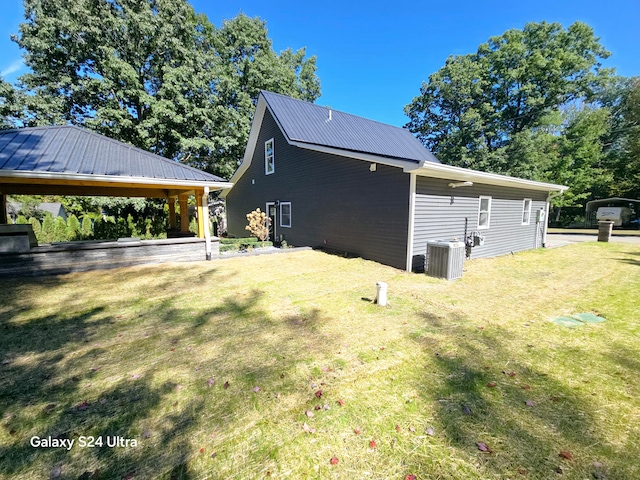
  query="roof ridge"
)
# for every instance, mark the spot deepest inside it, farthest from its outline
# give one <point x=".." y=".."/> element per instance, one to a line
<point x="335" y="110"/>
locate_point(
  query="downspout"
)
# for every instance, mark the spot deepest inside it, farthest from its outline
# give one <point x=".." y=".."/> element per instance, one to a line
<point x="411" y="222"/>
<point x="550" y="197"/>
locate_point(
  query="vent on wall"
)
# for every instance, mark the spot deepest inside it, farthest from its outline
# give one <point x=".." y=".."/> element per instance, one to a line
<point x="445" y="259"/>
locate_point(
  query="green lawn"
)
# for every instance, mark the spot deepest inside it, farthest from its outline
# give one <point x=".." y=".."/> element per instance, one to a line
<point x="272" y="366"/>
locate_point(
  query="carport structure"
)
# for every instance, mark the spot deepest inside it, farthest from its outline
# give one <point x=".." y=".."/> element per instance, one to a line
<point x="68" y="160"/>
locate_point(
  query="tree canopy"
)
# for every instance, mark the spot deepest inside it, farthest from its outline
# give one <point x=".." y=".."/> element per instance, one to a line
<point x="473" y="107"/>
<point x="155" y="74"/>
<point x="535" y="103"/>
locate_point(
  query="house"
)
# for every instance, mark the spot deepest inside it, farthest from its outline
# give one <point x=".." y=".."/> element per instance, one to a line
<point x="334" y="180"/>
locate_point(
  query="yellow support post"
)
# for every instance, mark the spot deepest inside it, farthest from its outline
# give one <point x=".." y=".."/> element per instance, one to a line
<point x="184" y="212"/>
<point x="200" y="213"/>
<point x="172" y="213"/>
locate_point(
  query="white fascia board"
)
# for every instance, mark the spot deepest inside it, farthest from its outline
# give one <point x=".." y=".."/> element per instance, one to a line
<point x="256" y="123"/>
<point x="449" y="172"/>
<point x="76" y="177"/>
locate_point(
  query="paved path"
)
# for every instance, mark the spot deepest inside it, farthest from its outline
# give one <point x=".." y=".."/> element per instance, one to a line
<point x="562" y="239"/>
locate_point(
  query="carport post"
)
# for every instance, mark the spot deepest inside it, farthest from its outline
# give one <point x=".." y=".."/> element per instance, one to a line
<point x="3" y="208"/>
<point x="184" y="212"/>
<point x="205" y="219"/>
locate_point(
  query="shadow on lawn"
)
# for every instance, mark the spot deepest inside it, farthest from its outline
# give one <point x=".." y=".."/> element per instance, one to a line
<point x="483" y="397"/>
<point x="42" y="395"/>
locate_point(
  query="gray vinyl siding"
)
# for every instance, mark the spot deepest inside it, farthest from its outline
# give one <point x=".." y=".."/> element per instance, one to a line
<point x="336" y="202"/>
<point x="440" y="214"/>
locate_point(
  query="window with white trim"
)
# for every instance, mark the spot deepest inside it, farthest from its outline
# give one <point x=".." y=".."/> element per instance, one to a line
<point x="484" y="212"/>
<point x="269" y="157"/>
<point x="526" y="211"/>
<point x="285" y="214"/>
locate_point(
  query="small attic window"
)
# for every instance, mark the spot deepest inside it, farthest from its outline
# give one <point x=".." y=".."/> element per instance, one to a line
<point x="269" y="157"/>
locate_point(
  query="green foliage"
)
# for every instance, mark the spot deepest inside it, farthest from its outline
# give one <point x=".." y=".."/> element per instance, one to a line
<point x="73" y="228"/>
<point x="60" y="230"/>
<point x="477" y="104"/>
<point x="36" y="226"/>
<point x="154" y="74"/>
<point x="87" y="227"/>
<point x="7" y="104"/>
<point x="47" y="234"/>
<point x="21" y="220"/>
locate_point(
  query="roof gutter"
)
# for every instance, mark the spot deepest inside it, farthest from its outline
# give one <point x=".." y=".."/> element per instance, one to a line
<point x="79" y="177"/>
<point x="449" y="172"/>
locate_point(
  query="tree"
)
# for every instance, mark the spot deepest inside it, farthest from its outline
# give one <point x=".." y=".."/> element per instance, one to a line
<point x="155" y="74"/>
<point x="7" y="104"/>
<point x="477" y="105"/>
<point x="258" y="225"/>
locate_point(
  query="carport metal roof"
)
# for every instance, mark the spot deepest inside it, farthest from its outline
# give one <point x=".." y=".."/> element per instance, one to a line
<point x="68" y="160"/>
<point x="594" y="204"/>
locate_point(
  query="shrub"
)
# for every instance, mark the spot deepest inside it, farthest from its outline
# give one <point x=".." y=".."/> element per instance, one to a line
<point x="48" y="227"/>
<point x="87" y="227"/>
<point x="60" y="230"/>
<point x="258" y="225"/>
<point x="73" y="227"/>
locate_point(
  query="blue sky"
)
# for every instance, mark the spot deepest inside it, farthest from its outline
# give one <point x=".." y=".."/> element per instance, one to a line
<point x="373" y="56"/>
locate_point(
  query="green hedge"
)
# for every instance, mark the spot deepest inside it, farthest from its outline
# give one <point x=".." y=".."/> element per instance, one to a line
<point x="237" y="246"/>
<point x="230" y="241"/>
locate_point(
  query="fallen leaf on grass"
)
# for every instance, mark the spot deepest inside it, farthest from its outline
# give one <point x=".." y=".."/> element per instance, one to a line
<point x="83" y="406"/>
<point x="522" y="471"/>
<point x="202" y="450"/>
<point x="530" y="403"/>
<point x="318" y="394"/>
<point x="146" y="434"/>
<point x="566" y="454"/>
<point x="559" y="470"/>
<point x="308" y="429"/>
<point x="398" y="428"/>
<point x="373" y="444"/>
<point x="211" y="382"/>
<point x="56" y="472"/>
<point x="429" y="431"/>
<point x="357" y="431"/>
<point x="136" y="376"/>
<point x="226" y="385"/>
<point x="341" y="402"/>
<point x="49" y="408"/>
<point x="466" y="410"/>
<point x="317" y="407"/>
<point x="214" y="454"/>
<point x="483" y="447"/>
<point x="492" y="384"/>
<point x="309" y="413"/>
<point x="334" y="460"/>
<point x="256" y="389"/>
<point x="526" y="387"/>
<point x="410" y="477"/>
<point x="412" y="430"/>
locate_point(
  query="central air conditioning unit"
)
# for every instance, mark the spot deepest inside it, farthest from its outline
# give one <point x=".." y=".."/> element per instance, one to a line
<point x="445" y="259"/>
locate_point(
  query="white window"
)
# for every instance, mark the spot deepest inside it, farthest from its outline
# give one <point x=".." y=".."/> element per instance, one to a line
<point x="269" y="157"/>
<point x="484" y="212"/>
<point x="285" y="214"/>
<point x="526" y="211"/>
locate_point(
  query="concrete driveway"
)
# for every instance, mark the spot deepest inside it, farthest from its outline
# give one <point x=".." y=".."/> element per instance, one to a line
<point x="562" y="239"/>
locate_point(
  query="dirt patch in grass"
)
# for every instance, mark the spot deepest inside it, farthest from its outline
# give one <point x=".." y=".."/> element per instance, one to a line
<point x="271" y="366"/>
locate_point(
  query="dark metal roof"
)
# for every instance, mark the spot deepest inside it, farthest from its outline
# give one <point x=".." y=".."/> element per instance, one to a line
<point x="314" y="124"/>
<point x="74" y="150"/>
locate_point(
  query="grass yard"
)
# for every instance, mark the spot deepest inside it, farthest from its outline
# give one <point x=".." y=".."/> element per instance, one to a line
<point x="280" y="366"/>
